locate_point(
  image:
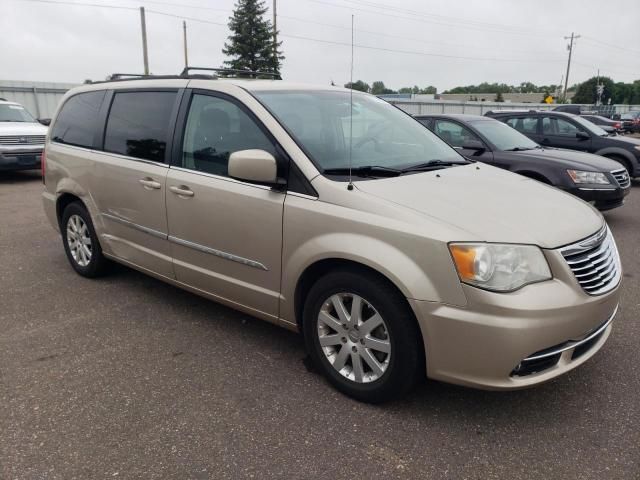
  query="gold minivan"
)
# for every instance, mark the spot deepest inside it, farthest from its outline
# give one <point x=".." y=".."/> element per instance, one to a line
<point x="335" y="214"/>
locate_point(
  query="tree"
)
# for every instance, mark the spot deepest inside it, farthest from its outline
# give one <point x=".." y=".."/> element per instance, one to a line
<point x="587" y="91"/>
<point x="359" y="85"/>
<point x="430" y="90"/>
<point x="406" y="90"/>
<point x="378" y="88"/>
<point x="250" y="45"/>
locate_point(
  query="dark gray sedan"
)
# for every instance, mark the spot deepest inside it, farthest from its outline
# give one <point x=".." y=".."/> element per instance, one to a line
<point x="593" y="178"/>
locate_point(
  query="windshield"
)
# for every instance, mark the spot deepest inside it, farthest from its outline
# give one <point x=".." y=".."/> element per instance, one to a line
<point x="503" y="136"/>
<point x="591" y="127"/>
<point x="630" y="115"/>
<point x="14" y="113"/>
<point x="383" y="136"/>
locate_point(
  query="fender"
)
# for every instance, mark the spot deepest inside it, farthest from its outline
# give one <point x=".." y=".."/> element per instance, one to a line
<point x="403" y="271"/>
<point x="621" y="152"/>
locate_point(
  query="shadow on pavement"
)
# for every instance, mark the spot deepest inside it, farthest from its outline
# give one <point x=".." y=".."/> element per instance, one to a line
<point x="21" y="176"/>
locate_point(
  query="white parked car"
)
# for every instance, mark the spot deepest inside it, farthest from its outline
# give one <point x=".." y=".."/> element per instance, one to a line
<point x="21" y="138"/>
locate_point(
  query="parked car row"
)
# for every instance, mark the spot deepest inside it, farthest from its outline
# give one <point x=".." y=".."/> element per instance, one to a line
<point x="565" y="130"/>
<point x="601" y="181"/>
<point x="330" y="212"/>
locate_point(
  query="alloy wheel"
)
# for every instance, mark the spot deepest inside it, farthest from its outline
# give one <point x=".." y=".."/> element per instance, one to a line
<point x="79" y="240"/>
<point x="354" y="337"/>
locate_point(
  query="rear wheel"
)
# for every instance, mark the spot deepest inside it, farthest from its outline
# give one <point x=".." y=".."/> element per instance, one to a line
<point x="81" y="242"/>
<point x="362" y="335"/>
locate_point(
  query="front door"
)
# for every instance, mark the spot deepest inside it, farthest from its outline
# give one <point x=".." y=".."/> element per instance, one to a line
<point x="458" y="136"/>
<point x="562" y="133"/>
<point x="225" y="234"/>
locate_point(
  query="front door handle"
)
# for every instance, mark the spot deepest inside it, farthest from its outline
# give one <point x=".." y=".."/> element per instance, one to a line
<point x="149" y="183"/>
<point x="182" y="191"/>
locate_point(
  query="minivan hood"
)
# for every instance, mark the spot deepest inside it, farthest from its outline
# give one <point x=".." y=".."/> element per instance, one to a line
<point x="22" y="128"/>
<point x="573" y="159"/>
<point x="491" y="204"/>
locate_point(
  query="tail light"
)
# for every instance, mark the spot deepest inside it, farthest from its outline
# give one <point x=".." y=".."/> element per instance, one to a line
<point x="617" y="126"/>
<point x="43" y="163"/>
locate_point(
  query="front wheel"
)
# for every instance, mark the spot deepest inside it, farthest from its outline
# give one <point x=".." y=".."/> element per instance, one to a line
<point x="362" y="335"/>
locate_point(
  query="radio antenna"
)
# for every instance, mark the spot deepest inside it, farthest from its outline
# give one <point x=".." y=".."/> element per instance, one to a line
<point x="350" y="184"/>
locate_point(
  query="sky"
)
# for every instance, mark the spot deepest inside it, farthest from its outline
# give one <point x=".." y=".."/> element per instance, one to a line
<point x="445" y="43"/>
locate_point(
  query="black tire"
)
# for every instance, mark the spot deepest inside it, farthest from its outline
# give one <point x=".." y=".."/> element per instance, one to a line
<point x="406" y="361"/>
<point x="98" y="264"/>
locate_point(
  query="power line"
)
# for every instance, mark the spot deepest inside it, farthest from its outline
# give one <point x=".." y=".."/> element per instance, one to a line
<point x="468" y="21"/>
<point x="411" y="52"/>
<point x="604" y="44"/>
<point x="424" y="20"/>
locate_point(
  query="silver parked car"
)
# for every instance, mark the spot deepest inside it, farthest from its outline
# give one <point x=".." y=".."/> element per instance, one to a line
<point x="345" y="220"/>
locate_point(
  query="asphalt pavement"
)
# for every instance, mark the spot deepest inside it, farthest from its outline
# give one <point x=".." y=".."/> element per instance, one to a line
<point x="127" y="377"/>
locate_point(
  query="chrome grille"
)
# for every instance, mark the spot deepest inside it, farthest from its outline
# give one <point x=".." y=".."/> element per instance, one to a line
<point x="622" y="177"/>
<point x="595" y="262"/>
<point x="22" y="139"/>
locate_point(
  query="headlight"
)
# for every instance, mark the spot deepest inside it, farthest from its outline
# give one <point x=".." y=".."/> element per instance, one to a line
<point x="579" y="176"/>
<point x="499" y="267"/>
<point x="637" y="147"/>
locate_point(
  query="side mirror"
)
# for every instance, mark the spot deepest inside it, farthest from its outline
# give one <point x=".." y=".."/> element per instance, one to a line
<point x="582" y="136"/>
<point x="474" y="145"/>
<point x="253" y="166"/>
<point x="45" y="121"/>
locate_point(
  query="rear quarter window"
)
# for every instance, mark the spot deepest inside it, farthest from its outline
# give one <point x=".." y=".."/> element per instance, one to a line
<point x="77" y="121"/>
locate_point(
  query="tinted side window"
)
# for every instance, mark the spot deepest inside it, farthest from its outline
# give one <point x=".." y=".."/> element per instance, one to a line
<point x="78" y="120"/>
<point x="215" y="129"/>
<point x="524" y="124"/>
<point x="138" y="124"/>
<point x="559" y="126"/>
<point x="453" y="133"/>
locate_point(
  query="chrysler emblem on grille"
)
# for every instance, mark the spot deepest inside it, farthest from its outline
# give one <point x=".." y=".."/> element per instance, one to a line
<point x="595" y="240"/>
<point x="22" y="140"/>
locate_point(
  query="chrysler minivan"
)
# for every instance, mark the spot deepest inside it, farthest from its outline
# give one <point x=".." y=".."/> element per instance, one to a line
<point x="337" y="215"/>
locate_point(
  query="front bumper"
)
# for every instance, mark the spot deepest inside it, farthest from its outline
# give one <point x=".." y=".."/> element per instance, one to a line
<point x="601" y="198"/>
<point x="486" y="343"/>
<point x="21" y="158"/>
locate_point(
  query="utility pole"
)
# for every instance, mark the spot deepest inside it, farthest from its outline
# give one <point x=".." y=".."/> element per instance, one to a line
<point x="145" y="55"/>
<point x="275" y="30"/>
<point x="184" y="30"/>
<point x="566" y="78"/>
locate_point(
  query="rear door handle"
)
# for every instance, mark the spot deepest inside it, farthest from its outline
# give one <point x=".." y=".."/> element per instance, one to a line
<point x="149" y="183"/>
<point x="182" y="191"/>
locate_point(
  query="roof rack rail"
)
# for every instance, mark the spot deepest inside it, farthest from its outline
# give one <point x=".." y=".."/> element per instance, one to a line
<point x="237" y="72"/>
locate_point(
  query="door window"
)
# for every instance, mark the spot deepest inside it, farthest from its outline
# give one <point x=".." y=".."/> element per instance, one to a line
<point x="454" y="134"/>
<point x="526" y="125"/>
<point x="138" y="124"/>
<point x="216" y="128"/>
<point x="559" y="126"/>
<point x="77" y="122"/>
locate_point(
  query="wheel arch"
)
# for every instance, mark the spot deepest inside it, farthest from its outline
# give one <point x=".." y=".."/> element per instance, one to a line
<point x="321" y="267"/>
<point x="63" y="200"/>
<point x="622" y="156"/>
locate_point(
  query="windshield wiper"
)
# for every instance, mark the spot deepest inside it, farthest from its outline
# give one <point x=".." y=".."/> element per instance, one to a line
<point x="365" y="171"/>
<point x="519" y="149"/>
<point x="432" y="165"/>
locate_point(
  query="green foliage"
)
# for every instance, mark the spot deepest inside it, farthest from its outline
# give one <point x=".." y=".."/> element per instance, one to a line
<point x="378" y="88"/>
<point x="484" y="87"/>
<point x="417" y="90"/>
<point x="250" y="45"/>
<point x="359" y="85"/>
<point x="587" y="91"/>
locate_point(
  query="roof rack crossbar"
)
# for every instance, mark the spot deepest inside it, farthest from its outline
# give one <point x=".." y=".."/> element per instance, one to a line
<point x="276" y="76"/>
